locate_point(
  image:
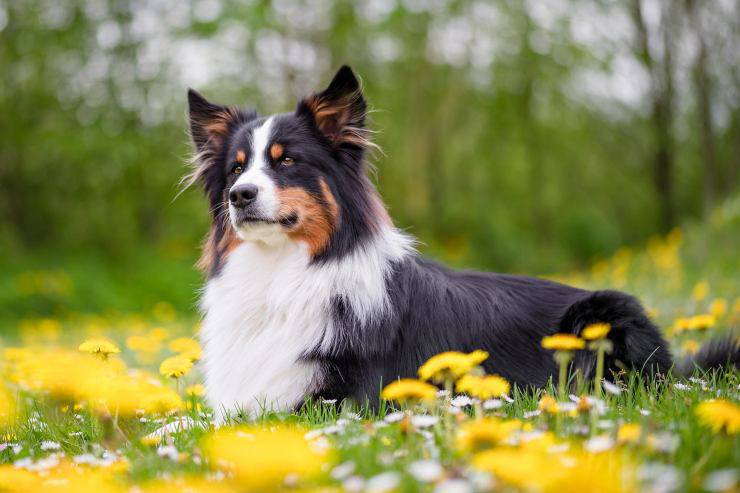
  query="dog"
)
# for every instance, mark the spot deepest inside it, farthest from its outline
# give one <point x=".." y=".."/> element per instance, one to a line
<point x="312" y="292"/>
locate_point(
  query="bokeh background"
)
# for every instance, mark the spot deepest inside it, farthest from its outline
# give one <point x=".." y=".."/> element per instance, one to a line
<point x="524" y="136"/>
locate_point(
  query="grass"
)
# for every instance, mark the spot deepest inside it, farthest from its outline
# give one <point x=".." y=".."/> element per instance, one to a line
<point x="679" y="276"/>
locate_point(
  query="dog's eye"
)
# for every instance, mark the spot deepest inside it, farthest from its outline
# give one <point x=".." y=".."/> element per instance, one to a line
<point x="288" y="161"/>
<point x="237" y="169"/>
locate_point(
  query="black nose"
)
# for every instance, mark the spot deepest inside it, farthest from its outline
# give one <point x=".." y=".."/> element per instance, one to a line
<point x="243" y="195"/>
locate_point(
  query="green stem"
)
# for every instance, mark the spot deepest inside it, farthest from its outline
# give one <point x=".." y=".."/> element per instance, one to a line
<point x="599" y="371"/>
<point x="478" y="409"/>
<point x="446" y="410"/>
<point x="561" y="378"/>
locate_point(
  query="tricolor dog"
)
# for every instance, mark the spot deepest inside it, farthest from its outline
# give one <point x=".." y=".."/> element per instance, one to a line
<point x="312" y="291"/>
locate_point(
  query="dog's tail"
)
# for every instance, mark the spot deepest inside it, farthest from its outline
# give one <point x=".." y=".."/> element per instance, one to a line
<point x="719" y="353"/>
<point x="636" y="341"/>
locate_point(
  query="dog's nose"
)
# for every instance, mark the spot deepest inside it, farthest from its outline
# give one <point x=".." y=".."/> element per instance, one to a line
<point x="243" y="195"/>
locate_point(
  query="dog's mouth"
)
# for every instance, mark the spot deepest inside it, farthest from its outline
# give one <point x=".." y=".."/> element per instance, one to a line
<point x="286" y="221"/>
<point x="289" y="220"/>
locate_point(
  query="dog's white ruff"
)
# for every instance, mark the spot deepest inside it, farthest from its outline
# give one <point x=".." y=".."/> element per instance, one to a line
<point x="268" y="306"/>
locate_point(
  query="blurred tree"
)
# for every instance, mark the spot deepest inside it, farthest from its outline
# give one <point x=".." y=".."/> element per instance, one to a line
<point x="525" y="136"/>
<point x="660" y="67"/>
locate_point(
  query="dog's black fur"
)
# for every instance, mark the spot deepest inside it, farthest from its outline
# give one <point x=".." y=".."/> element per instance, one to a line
<point x="439" y="310"/>
<point x="432" y="308"/>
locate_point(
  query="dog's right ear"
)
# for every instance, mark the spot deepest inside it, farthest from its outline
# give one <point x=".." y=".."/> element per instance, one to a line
<point x="209" y="123"/>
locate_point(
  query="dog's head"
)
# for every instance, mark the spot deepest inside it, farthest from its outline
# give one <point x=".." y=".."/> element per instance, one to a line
<point x="295" y="176"/>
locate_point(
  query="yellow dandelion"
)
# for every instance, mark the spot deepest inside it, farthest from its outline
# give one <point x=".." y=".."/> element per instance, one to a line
<point x="629" y="433"/>
<point x="483" y="387"/>
<point x="680" y="324"/>
<point x="720" y="415"/>
<point x="407" y="389"/>
<point x="485" y="433"/>
<point x="596" y="331"/>
<point x="450" y="365"/>
<point x="150" y="440"/>
<point x="548" y="404"/>
<point x="536" y="468"/>
<point x="142" y="343"/>
<point x="563" y="342"/>
<point x="7" y="407"/>
<point x="718" y="307"/>
<point x="196" y="390"/>
<point x="690" y="347"/>
<point x="261" y="458"/>
<point x="187" y="347"/>
<point x="702" y="321"/>
<point x="105" y="388"/>
<point x="700" y="290"/>
<point x="530" y="470"/>
<point x="159" y="334"/>
<point x="99" y="346"/>
<point x="175" y="366"/>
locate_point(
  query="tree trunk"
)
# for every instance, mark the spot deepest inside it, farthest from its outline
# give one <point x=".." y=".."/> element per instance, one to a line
<point x="703" y="94"/>
<point x="661" y="94"/>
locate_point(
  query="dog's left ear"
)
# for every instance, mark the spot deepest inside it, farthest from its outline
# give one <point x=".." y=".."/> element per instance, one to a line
<point x="339" y="110"/>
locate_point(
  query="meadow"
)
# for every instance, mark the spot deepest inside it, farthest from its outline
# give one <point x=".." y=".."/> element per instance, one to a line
<point x="113" y="403"/>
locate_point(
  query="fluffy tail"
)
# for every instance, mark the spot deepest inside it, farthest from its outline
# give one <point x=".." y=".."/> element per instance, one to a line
<point x="636" y="341"/>
<point x="716" y="354"/>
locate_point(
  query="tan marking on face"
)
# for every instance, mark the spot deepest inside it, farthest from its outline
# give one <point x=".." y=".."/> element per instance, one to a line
<point x="317" y="217"/>
<point x="241" y="156"/>
<point x="276" y="151"/>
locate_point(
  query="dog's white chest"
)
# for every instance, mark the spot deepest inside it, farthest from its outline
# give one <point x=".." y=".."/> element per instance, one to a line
<point x="269" y="306"/>
<point x="262" y="312"/>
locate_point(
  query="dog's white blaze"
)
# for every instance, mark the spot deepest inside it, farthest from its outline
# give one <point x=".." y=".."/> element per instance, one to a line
<point x="267" y="201"/>
<point x="269" y="305"/>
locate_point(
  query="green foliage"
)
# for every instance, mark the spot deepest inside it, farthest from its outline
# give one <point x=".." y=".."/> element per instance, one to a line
<point x="511" y="141"/>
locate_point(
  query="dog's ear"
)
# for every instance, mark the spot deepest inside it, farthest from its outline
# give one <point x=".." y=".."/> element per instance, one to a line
<point x="210" y="126"/>
<point x="339" y="110"/>
<point x="209" y="123"/>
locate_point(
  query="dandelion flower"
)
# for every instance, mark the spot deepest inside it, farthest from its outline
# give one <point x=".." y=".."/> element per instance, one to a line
<point x="702" y="321"/>
<point x="680" y="324"/>
<point x="690" y="347"/>
<point x="145" y="343"/>
<point x="150" y="440"/>
<point x="408" y="389"/>
<point x="187" y="347"/>
<point x="483" y="387"/>
<point x="261" y="458"/>
<point x="596" y="331"/>
<point x="450" y="365"/>
<point x="718" y="307"/>
<point x="720" y="415"/>
<point x="563" y="342"/>
<point x="700" y="291"/>
<point x="485" y="433"/>
<point x="176" y="366"/>
<point x="99" y="346"/>
<point x="629" y="433"/>
<point x="548" y="404"/>
<point x="196" y="390"/>
<point x="537" y="468"/>
<point x="7" y="407"/>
